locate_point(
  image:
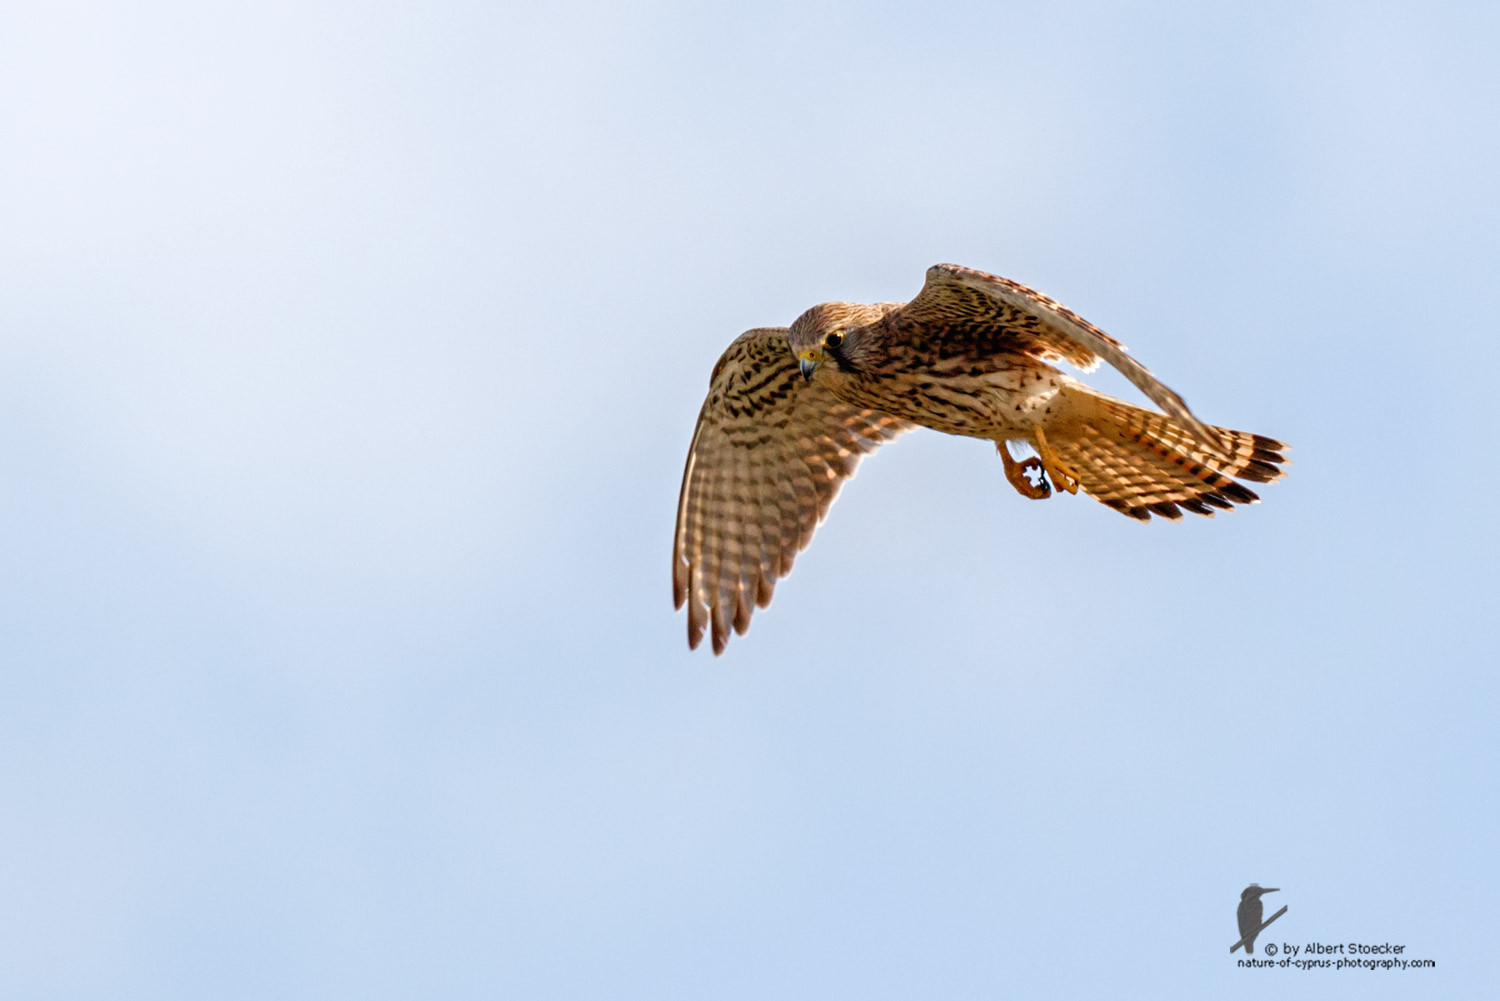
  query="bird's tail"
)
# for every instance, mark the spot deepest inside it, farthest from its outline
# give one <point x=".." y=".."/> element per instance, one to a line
<point x="1141" y="463"/>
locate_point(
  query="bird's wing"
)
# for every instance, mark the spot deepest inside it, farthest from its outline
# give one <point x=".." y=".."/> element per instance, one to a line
<point x="1036" y="325"/>
<point x="768" y="457"/>
<point x="1248" y="916"/>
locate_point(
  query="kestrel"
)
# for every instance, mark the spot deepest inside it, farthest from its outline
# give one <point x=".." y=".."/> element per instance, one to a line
<point x="790" y="412"/>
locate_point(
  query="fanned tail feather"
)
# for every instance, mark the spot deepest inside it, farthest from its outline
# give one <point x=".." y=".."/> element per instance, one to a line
<point x="1141" y="463"/>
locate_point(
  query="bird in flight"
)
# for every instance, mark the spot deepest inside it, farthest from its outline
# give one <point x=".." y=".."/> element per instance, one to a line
<point x="790" y="412"/>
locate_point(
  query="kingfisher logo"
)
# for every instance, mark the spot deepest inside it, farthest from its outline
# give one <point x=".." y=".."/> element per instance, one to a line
<point x="1249" y="916"/>
<point x="1278" y="953"/>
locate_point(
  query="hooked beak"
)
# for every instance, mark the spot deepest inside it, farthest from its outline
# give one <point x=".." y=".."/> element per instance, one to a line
<point x="807" y="366"/>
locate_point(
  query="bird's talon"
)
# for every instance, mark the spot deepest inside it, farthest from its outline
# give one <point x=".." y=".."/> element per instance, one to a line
<point x="1063" y="478"/>
<point x="1028" y="477"/>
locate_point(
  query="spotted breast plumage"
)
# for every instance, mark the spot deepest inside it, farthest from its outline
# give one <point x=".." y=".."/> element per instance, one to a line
<point x="791" y="411"/>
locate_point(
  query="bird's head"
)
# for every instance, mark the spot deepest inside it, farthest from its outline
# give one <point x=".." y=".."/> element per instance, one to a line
<point x="833" y="334"/>
<point x="1253" y="891"/>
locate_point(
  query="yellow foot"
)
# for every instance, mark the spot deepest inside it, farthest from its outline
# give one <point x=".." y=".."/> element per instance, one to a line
<point x="1063" y="477"/>
<point x="1018" y="473"/>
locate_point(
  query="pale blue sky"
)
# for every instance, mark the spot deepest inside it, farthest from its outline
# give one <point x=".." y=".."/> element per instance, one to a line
<point x="348" y="358"/>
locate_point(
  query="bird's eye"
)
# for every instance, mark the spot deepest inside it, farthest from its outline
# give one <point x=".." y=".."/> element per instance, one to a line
<point x="833" y="340"/>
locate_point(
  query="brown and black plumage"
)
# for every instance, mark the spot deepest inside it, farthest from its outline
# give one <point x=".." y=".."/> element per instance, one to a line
<point x="790" y="412"/>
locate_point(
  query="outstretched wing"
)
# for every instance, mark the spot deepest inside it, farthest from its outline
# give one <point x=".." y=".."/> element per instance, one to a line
<point x="768" y="457"/>
<point x="1031" y="323"/>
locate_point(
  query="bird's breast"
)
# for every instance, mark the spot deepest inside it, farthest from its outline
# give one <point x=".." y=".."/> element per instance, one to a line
<point x="989" y="401"/>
